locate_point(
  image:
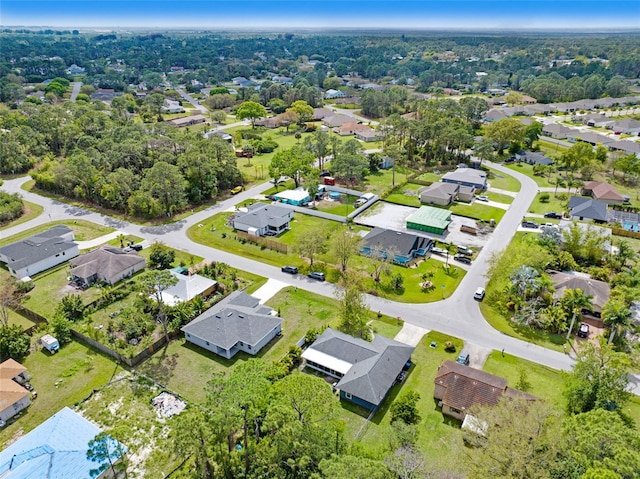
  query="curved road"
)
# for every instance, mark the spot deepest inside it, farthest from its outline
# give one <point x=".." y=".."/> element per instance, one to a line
<point x="458" y="315"/>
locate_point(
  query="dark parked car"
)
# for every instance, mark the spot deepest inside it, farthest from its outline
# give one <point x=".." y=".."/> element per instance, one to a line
<point x="462" y="258"/>
<point x="316" y="275"/>
<point x="529" y="224"/>
<point x="554" y="215"/>
<point x="290" y="269"/>
<point x="136" y="247"/>
<point x="511" y="159"/>
<point x="463" y="359"/>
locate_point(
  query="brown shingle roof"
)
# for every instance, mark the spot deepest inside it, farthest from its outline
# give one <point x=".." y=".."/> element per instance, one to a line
<point x="466" y="386"/>
<point x="10" y="369"/>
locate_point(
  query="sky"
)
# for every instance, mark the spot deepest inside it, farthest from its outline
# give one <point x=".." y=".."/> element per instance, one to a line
<point x="568" y="15"/>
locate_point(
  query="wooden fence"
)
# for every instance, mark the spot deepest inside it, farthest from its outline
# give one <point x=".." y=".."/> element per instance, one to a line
<point x="274" y="245"/>
<point x="623" y="232"/>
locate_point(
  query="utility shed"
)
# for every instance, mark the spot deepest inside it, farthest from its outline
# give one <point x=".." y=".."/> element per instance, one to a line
<point x="430" y="220"/>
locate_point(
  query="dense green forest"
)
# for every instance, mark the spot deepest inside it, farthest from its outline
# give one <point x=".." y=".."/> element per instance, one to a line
<point x="556" y="68"/>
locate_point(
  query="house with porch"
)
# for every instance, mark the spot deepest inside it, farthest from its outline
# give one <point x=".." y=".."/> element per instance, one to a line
<point x="365" y="370"/>
<point x="237" y="323"/>
<point x="459" y="387"/>
<point x="402" y="246"/>
<point x="107" y="264"/>
<point x="263" y="219"/>
<point x="39" y="252"/>
<point x="14" y="397"/>
<point x="603" y="192"/>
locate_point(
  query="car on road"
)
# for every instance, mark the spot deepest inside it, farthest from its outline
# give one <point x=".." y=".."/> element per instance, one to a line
<point x="482" y="198"/>
<point x="553" y="214"/>
<point x="479" y="294"/>
<point x="316" y="275"/>
<point x="529" y="224"/>
<point x="236" y="190"/>
<point x="289" y="269"/>
<point x="463" y="359"/>
<point x="462" y="259"/>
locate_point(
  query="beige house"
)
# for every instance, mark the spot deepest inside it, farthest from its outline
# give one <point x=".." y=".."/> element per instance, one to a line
<point x="13" y="396"/>
<point x="107" y="264"/>
<point x="459" y="387"/>
<point x="603" y="192"/>
<point x="444" y="194"/>
<point x="187" y="121"/>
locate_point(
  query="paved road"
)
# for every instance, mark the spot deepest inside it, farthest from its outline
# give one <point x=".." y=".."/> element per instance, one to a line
<point x="203" y="109"/>
<point x="458" y="315"/>
<point x="76" y="89"/>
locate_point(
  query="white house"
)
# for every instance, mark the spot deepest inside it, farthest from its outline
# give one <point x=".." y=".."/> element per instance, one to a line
<point x="39" y="252"/>
<point x="264" y="220"/>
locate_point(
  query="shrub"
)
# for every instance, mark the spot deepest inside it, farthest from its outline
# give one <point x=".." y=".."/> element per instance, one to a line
<point x="449" y="347"/>
<point x="61" y="328"/>
<point x="405" y="408"/>
<point x="544" y="197"/>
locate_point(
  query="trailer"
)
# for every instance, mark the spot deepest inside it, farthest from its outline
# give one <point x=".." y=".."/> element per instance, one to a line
<point x="50" y="343"/>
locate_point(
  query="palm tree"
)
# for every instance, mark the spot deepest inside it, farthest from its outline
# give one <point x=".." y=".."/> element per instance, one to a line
<point x="616" y="315"/>
<point x="574" y="301"/>
<point x="121" y="238"/>
<point x="526" y="281"/>
<point x="625" y="253"/>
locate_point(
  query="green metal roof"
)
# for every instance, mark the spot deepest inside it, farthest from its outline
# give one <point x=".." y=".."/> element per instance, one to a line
<point x="429" y="216"/>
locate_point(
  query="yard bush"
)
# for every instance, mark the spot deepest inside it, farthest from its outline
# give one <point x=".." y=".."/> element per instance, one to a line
<point x="405" y="408"/>
<point x="11" y="206"/>
<point x="13" y="342"/>
<point x="544" y="197"/>
<point x="61" y="328"/>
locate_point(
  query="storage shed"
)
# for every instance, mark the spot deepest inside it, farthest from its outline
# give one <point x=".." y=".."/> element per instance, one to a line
<point x="430" y="220"/>
<point x="50" y="343"/>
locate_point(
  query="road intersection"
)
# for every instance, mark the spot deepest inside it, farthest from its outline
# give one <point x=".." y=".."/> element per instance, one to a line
<point x="458" y="315"/>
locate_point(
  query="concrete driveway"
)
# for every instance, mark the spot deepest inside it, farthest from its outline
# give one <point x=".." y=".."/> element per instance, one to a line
<point x="410" y="334"/>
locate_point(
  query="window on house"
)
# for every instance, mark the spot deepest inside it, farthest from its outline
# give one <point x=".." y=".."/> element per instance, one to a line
<point x="347" y="395"/>
<point x="457" y="411"/>
<point x="207" y="343"/>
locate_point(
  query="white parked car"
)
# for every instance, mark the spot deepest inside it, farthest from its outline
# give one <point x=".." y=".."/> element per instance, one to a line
<point x="482" y="198"/>
<point x="479" y="294"/>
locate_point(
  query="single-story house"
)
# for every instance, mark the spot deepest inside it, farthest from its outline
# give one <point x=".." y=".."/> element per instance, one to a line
<point x="593" y="139"/>
<point x="237" y="323"/>
<point x="105" y="94"/>
<point x="403" y="246"/>
<point x="321" y="113"/>
<point x="351" y="128"/>
<point x="56" y="448"/>
<point x="187" y="288"/>
<point x="386" y="162"/>
<point x="75" y="70"/>
<point x="528" y="100"/>
<point x="589" y="229"/>
<point x="366" y="370"/>
<point x="282" y="80"/>
<point x="598" y="290"/>
<point x="13" y="396"/>
<point x="444" y="194"/>
<point x="368" y="135"/>
<point x="556" y="130"/>
<point x="107" y="264"/>
<point x="430" y="220"/>
<point x="603" y="191"/>
<point x="39" y="252"/>
<point x="534" y="158"/>
<point x="336" y="120"/>
<point x="628" y="126"/>
<point x="626" y="146"/>
<point x="264" y="220"/>
<point x="221" y="133"/>
<point x="271" y="122"/>
<point x="459" y="387"/>
<point x="493" y="115"/>
<point x="587" y="209"/>
<point x="467" y="177"/>
<point x="187" y="121"/>
<point x="297" y="197"/>
<point x="596" y="120"/>
<point x="331" y="94"/>
<point x="172" y="106"/>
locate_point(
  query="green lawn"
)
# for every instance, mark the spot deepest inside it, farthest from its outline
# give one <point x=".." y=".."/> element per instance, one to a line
<point x="439" y="437"/>
<point x="526" y="169"/>
<point x="402" y="198"/>
<point x="31" y="211"/>
<point x="477" y="210"/>
<point x="63" y="379"/>
<point x="554" y="204"/>
<point x="82" y="230"/>
<point x="382" y="180"/>
<point x="429" y="176"/>
<point x="552" y="150"/>
<point x="15" y="318"/>
<point x="500" y="198"/>
<point x="503" y="182"/>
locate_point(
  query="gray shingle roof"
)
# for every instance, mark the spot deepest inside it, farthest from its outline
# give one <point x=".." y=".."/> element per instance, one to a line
<point x="588" y="208"/>
<point x="237" y="318"/>
<point x="261" y="215"/>
<point x="107" y="261"/>
<point x="375" y="365"/>
<point x="394" y="241"/>
<point x="34" y="249"/>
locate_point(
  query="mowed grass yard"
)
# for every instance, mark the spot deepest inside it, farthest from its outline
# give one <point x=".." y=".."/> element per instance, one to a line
<point x="82" y="231"/>
<point x="439" y="437"/>
<point x="502" y="181"/>
<point x="185" y="368"/>
<point x="62" y="379"/>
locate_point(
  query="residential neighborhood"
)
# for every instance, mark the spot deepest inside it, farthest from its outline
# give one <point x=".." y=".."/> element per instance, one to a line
<point x="293" y="265"/>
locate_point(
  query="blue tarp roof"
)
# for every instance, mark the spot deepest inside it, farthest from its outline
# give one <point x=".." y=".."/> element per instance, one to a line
<point x="57" y="448"/>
